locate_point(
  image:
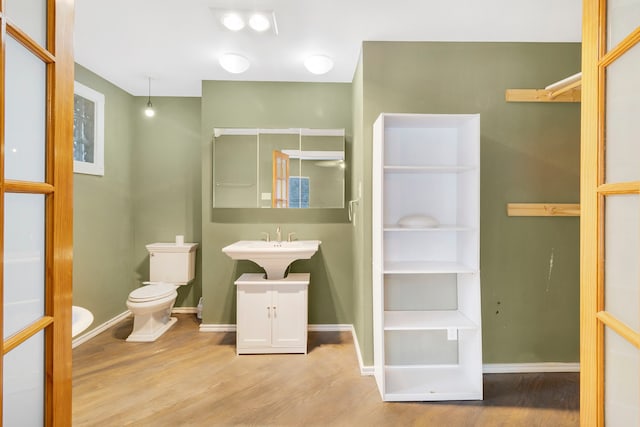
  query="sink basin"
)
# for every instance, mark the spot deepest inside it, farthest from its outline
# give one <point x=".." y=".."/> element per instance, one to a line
<point x="81" y="318"/>
<point x="274" y="257"/>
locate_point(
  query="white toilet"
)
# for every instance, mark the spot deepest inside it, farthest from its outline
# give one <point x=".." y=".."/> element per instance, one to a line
<point x="170" y="265"/>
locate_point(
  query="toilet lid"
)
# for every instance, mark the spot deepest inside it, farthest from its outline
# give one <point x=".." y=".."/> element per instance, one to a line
<point x="152" y="292"/>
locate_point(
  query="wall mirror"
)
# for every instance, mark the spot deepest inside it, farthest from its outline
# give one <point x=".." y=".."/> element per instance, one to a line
<point x="278" y="168"/>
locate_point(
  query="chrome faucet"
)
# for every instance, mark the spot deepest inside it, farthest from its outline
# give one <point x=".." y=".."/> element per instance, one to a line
<point x="278" y="234"/>
<point x="267" y="236"/>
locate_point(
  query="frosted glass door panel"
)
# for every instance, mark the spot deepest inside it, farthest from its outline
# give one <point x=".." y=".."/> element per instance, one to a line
<point x="23" y="261"/>
<point x="622" y="251"/>
<point x="23" y="384"/>
<point x="30" y="16"/>
<point x="622" y="125"/>
<point x="25" y="114"/>
<point x="623" y="17"/>
<point x="621" y="385"/>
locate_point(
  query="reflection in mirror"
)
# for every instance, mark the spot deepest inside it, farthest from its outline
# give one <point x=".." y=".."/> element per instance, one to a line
<point x="280" y="168"/>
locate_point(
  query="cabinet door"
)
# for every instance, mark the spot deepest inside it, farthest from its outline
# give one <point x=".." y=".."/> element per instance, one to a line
<point x="254" y="317"/>
<point x="289" y="316"/>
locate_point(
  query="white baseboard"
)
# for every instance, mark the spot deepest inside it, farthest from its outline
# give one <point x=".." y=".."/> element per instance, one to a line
<point x="519" y="368"/>
<point x="99" y="329"/>
<point x="344" y="327"/>
<point x="364" y="370"/>
<point x="184" y="310"/>
<point x="217" y="327"/>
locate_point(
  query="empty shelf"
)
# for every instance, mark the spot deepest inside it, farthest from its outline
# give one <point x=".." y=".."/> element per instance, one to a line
<point x="425" y="320"/>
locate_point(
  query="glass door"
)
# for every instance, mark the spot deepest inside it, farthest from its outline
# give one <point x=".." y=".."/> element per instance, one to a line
<point x="610" y="229"/>
<point x="36" y="119"/>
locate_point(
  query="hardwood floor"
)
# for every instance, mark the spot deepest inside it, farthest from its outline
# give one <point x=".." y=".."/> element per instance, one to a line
<point x="192" y="378"/>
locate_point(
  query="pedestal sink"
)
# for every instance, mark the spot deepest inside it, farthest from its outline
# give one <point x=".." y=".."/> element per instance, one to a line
<point x="274" y="257"/>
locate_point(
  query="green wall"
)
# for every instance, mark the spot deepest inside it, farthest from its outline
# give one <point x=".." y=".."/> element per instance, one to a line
<point x="529" y="153"/>
<point x="150" y="192"/>
<point x="275" y="105"/>
<point x="166" y="183"/>
<point x="362" y="320"/>
<point x="103" y="225"/>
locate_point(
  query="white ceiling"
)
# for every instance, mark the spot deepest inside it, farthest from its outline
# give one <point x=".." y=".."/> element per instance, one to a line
<point x="177" y="42"/>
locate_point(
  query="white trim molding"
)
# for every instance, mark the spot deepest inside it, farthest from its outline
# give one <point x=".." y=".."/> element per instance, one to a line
<point x="217" y="327"/>
<point x="364" y="370"/>
<point x="519" y="368"/>
<point x="99" y="329"/>
<point x="184" y="310"/>
<point x="344" y="327"/>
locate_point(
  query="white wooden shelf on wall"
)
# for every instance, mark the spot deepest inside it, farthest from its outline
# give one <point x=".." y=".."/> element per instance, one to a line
<point x="565" y="90"/>
<point x="426" y="245"/>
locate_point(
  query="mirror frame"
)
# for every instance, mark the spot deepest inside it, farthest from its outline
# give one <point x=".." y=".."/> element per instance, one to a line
<point x="338" y="156"/>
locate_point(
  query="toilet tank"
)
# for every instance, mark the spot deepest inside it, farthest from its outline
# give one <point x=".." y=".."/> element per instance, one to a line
<point x="172" y="263"/>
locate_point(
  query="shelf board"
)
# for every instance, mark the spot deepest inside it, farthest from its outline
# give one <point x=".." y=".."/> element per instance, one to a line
<point x="413" y="267"/>
<point x="442" y="227"/>
<point x="543" y="209"/>
<point x="421" y="383"/>
<point x="427" y="169"/>
<point x="426" y="320"/>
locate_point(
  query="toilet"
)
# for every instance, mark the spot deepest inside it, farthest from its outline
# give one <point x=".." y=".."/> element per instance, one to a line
<point x="170" y="265"/>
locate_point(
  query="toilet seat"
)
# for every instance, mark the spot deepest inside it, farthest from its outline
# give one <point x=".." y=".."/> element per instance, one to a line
<point x="152" y="292"/>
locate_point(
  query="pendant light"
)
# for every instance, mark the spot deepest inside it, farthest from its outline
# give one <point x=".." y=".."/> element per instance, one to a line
<point x="149" y="111"/>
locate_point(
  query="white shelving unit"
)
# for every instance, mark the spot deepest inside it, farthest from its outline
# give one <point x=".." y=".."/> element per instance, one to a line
<point x="426" y="281"/>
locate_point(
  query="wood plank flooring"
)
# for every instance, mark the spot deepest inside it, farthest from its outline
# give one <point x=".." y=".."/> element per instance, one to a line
<point x="192" y="378"/>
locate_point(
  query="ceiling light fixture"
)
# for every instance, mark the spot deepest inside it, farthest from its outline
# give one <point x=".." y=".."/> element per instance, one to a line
<point x="234" y="63"/>
<point x="149" y="111"/>
<point x="233" y="21"/>
<point x="259" y="22"/>
<point x="318" y="64"/>
<point x="236" y="20"/>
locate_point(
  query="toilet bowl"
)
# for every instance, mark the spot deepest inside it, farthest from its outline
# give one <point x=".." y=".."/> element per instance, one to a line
<point x="170" y="266"/>
<point x="151" y="307"/>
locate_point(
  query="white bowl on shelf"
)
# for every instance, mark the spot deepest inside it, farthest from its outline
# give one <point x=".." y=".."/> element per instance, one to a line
<point x="418" y="221"/>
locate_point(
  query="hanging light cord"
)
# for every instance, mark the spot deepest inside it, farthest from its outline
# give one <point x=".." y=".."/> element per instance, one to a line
<point x="149" y="101"/>
<point x="149" y="110"/>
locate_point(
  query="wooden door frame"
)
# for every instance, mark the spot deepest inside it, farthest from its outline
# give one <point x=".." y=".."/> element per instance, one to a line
<point x="277" y="177"/>
<point x="590" y="299"/>
<point x="58" y="193"/>
<point x="593" y="190"/>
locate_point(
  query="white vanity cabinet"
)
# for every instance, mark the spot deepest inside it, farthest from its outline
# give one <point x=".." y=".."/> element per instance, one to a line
<point x="426" y="245"/>
<point x="271" y="314"/>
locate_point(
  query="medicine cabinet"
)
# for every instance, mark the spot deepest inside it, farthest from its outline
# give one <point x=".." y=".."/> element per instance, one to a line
<point x="278" y="168"/>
